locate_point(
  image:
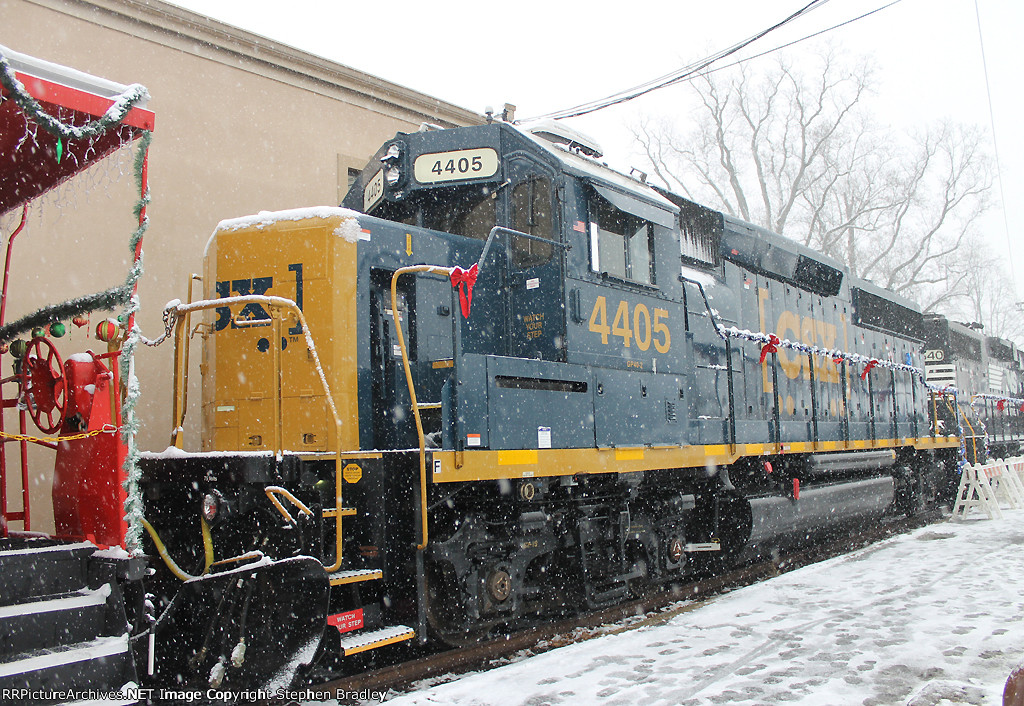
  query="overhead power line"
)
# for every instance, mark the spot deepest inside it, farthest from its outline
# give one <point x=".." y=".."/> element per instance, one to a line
<point x="697" y="67"/>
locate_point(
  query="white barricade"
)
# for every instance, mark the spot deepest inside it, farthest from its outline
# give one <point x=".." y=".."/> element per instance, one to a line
<point x="1005" y="484"/>
<point x="975" y="491"/>
<point x="1017" y="466"/>
<point x="1008" y="484"/>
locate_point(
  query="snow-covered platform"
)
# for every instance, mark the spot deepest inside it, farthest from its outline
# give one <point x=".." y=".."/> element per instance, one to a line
<point x="929" y="618"/>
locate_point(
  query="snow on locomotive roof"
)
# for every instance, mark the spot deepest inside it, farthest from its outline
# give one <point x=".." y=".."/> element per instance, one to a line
<point x="348" y="228"/>
<point x="577" y="163"/>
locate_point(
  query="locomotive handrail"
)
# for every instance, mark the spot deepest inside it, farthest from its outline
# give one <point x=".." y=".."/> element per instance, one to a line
<point x="272" y="491"/>
<point x="771" y="343"/>
<point x="502" y="230"/>
<point x="429" y="269"/>
<point x="719" y="329"/>
<point x="180" y="313"/>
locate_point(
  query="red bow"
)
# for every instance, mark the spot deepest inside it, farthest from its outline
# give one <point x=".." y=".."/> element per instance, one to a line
<point x="771" y="347"/>
<point x="867" y="368"/>
<point x="1000" y="405"/>
<point x="464" y="280"/>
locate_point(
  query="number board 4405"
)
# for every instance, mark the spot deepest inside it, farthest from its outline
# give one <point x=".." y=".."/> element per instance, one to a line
<point x="436" y="167"/>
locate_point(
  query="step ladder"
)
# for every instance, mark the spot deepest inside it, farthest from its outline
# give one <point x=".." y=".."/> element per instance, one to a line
<point x="361" y="640"/>
<point x="58" y="629"/>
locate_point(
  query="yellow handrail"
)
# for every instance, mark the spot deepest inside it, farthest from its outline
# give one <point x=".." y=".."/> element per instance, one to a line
<point x="273" y="490"/>
<point x="431" y="269"/>
<point x="276" y="306"/>
<point x="974" y="436"/>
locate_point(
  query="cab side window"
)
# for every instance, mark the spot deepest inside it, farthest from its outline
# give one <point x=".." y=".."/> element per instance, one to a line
<point x="620" y="243"/>
<point x="531" y="213"/>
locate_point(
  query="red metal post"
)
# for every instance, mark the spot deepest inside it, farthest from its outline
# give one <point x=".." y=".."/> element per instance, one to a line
<point x="3" y="447"/>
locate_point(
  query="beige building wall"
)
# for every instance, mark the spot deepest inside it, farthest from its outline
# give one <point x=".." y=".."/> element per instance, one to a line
<point x="243" y="124"/>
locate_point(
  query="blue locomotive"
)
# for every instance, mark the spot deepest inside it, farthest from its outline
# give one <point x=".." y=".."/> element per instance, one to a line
<point x="503" y="380"/>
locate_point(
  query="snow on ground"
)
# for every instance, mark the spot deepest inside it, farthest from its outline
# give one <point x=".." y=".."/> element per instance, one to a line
<point x="929" y="618"/>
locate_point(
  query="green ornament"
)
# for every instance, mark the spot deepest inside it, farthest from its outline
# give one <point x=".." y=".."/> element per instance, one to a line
<point x="38" y="332"/>
<point x="57" y="329"/>
<point x="60" y="149"/>
<point x="18" y="348"/>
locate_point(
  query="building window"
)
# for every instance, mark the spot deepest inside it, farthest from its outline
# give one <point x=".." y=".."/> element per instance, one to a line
<point x="620" y="243"/>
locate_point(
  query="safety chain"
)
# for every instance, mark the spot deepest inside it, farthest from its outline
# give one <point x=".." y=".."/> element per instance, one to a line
<point x="105" y="429"/>
<point x="170" y="318"/>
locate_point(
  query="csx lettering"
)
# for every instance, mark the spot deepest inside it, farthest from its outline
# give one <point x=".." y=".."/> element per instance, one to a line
<point x="811" y="332"/>
<point x="640" y="328"/>
<point x="242" y="287"/>
<point x="254" y="311"/>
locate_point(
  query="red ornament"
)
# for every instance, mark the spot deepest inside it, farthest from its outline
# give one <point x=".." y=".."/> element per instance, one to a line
<point x="80" y="321"/>
<point x="106" y="330"/>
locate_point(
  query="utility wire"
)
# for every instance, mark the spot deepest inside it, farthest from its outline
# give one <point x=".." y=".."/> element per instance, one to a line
<point x="677" y="75"/>
<point x="805" y="38"/>
<point x="691" y="70"/>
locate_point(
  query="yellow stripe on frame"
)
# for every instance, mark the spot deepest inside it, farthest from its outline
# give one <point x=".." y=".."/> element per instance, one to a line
<point x="517" y="457"/>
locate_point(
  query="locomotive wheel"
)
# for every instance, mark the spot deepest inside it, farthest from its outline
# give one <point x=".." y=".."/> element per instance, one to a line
<point x="446" y="610"/>
<point x="499" y="585"/>
<point x="43" y="384"/>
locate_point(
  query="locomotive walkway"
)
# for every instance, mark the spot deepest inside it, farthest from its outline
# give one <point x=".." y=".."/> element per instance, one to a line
<point x="930" y="617"/>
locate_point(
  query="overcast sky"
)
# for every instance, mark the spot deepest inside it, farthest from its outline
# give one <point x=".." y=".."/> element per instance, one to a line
<point x="545" y="56"/>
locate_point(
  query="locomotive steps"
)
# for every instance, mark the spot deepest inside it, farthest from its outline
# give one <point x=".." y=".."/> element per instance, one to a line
<point x="62" y="624"/>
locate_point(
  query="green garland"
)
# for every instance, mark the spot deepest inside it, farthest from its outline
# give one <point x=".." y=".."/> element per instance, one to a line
<point x="30" y="106"/>
<point x="133" y="506"/>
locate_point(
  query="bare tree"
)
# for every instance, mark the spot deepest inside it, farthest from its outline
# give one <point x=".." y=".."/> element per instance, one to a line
<point x="796" y="151"/>
<point x="988" y="294"/>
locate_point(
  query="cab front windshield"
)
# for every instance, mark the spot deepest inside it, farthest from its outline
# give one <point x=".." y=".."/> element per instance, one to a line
<point x="461" y="210"/>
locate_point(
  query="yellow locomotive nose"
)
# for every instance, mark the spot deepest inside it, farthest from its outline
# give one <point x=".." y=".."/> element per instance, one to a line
<point x="309" y="257"/>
